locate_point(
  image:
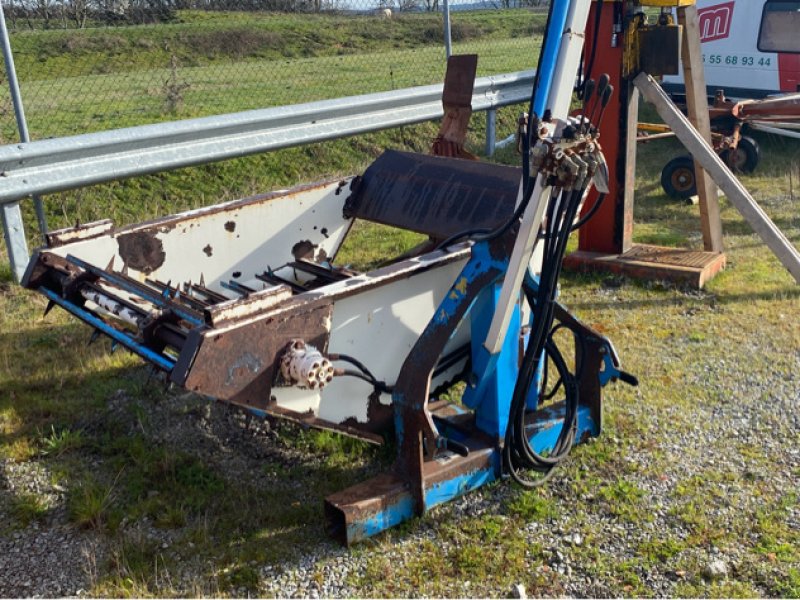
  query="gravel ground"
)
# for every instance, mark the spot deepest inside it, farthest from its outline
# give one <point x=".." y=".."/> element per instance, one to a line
<point x="49" y="557"/>
<point x="52" y="558"/>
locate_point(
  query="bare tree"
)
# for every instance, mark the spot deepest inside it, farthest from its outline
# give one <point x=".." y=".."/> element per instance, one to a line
<point x="78" y="12"/>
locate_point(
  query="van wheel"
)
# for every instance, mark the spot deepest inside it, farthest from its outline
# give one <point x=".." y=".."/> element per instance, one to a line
<point x="745" y="158"/>
<point x="677" y="178"/>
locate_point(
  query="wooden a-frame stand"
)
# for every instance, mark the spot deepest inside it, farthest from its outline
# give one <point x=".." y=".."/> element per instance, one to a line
<point x="606" y="242"/>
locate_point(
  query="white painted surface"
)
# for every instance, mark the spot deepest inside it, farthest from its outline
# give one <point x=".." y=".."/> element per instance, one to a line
<point x="263" y="235"/>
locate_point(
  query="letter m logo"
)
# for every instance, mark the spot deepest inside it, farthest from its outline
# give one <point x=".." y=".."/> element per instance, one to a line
<point x="715" y="21"/>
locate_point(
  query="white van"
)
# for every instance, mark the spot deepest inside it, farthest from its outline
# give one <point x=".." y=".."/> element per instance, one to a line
<point x="751" y="48"/>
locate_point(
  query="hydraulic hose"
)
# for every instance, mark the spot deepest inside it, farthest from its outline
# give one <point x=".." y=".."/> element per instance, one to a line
<point x="518" y="453"/>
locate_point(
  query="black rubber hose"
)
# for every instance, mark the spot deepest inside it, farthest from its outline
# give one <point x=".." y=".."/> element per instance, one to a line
<point x="590" y="67"/>
<point x="517" y="451"/>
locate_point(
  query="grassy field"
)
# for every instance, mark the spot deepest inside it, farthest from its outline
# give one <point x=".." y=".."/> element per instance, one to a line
<point x="212" y="63"/>
<point x="116" y="442"/>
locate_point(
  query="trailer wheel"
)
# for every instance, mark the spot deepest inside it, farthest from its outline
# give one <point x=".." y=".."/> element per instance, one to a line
<point x="746" y="156"/>
<point x="677" y="178"/>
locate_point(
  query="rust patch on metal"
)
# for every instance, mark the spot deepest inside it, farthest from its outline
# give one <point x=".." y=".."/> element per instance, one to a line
<point x="208" y="250"/>
<point x="245" y="362"/>
<point x="141" y="251"/>
<point x="230" y="226"/>
<point x="303" y="249"/>
<point x="239" y="362"/>
<point x="80" y="232"/>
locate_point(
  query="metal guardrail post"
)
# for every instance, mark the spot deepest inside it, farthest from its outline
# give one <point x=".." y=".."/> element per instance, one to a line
<point x="19" y="109"/>
<point x="448" y="40"/>
<point x="11" y="216"/>
<point x="491" y="131"/>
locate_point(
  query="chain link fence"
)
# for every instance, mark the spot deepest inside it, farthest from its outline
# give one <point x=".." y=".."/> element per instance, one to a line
<point x="88" y="65"/>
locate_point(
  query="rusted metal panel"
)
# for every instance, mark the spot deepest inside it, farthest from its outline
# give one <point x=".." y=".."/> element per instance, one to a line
<point x="239" y="363"/>
<point x="231" y="310"/>
<point x="59" y="237"/>
<point x="459" y="80"/>
<point x="457" y="102"/>
<point x="434" y="195"/>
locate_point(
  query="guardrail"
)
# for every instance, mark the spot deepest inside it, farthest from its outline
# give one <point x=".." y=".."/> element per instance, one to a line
<point x="47" y="166"/>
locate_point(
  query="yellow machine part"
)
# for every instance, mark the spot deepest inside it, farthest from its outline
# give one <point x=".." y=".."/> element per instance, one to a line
<point x="666" y="3"/>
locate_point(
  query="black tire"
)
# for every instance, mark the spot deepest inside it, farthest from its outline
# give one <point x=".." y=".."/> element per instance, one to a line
<point x="677" y="178"/>
<point x="746" y="156"/>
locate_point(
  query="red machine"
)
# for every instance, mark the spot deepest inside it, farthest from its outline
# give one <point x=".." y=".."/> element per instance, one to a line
<point x="621" y="43"/>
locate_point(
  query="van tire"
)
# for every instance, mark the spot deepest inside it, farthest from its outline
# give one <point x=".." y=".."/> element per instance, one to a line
<point x="678" y="179"/>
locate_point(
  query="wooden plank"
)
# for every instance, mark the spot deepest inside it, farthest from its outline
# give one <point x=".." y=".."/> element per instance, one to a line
<point x="629" y="190"/>
<point x="737" y="194"/>
<point x="697" y="105"/>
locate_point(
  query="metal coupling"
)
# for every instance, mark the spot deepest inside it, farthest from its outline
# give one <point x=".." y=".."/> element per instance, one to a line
<point x="305" y="366"/>
<point x="566" y="171"/>
<point x="538" y="155"/>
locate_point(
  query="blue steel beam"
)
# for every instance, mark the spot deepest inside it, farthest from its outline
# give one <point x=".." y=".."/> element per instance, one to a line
<point x="126" y="340"/>
<point x="360" y="517"/>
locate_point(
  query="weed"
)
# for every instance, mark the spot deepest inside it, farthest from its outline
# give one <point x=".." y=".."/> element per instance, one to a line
<point x="26" y="508"/>
<point x="174" y="88"/>
<point x="60" y="442"/>
<point x="88" y="503"/>
<point x="660" y="550"/>
<point x="790" y="586"/>
<point x="241" y="576"/>
<point x="622" y="499"/>
<point x="19" y="450"/>
<point x="135" y="568"/>
<point x="533" y="506"/>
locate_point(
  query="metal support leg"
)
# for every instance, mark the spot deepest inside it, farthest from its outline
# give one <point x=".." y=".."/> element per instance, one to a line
<point x="13" y="228"/>
<point x="14" y="235"/>
<point x="491" y="131"/>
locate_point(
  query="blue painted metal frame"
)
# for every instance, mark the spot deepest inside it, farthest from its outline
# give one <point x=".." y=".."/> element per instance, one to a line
<point x="552" y="45"/>
<point x="400" y="506"/>
<point x="117" y="336"/>
<point x="491" y="398"/>
<point x="491" y="394"/>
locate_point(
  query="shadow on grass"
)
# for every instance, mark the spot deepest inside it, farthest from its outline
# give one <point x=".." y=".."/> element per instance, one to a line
<point x="175" y="484"/>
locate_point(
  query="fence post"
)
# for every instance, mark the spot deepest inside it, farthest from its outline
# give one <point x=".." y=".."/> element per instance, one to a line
<point x="11" y="216"/>
<point x="448" y="42"/>
<point x="491" y="131"/>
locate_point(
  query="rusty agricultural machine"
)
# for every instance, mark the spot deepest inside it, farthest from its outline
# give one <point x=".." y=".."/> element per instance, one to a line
<point x="247" y="302"/>
<point x="730" y="121"/>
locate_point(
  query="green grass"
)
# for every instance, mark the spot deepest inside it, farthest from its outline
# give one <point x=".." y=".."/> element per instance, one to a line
<point x="204" y="64"/>
<point x="57" y="443"/>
